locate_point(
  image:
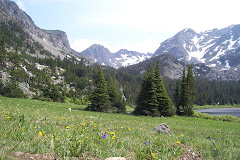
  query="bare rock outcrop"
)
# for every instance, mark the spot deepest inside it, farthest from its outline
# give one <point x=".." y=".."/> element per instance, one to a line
<point x="162" y="128"/>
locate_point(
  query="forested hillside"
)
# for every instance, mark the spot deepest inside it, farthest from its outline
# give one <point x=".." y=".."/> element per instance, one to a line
<point x="30" y="69"/>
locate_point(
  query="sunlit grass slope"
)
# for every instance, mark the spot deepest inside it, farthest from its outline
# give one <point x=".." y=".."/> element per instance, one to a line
<point x="48" y="128"/>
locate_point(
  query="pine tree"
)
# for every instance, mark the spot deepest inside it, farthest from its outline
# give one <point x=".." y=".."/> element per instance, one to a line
<point x="3" y="53"/>
<point x="191" y="91"/>
<point x="114" y="94"/>
<point x="100" y="98"/>
<point x="183" y="94"/>
<point x="164" y="102"/>
<point x="153" y="99"/>
<point x="147" y="99"/>
<point x="177" y="98"/>
<point x="187" y="95"/>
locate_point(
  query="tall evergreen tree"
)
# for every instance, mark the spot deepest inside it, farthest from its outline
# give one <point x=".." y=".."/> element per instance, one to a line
<point x="147" y="99"/>
<point x="177" y="98"/>
<point x="100" y="98"/>
<point x="164" y="102"/>
<point x="114" y="94"/>
<point x="3" y="53"/>
<point x="183" y="93"/>
<point x="187" y="95"/>
<point x="153" y="99"/>
<point x="191" y="91"/>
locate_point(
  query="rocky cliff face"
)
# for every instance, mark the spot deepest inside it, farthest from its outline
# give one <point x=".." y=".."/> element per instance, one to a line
<point x="54" y="41"/>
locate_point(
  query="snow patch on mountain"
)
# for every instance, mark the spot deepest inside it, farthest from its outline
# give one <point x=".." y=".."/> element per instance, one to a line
<point x="212" y="47"/>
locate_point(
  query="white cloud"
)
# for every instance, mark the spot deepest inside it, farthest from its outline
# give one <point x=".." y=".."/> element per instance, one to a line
<point x="21" y="5"/>
<point x="172" y="15"/>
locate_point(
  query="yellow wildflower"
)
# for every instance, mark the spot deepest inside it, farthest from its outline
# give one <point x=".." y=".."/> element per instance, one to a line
<point x="35" y="127"/>
<point x="178" y="142"/>
<point x="86" y="137"/>
<point x="67" y="127"/>
<point x="40" y="133"/>
<point x="113" y="137"/>
<point x="153" y="155"/>
<point x="129" y="129"/>
<point x="8" y="117"/>
<point x="182" y="135"/>
<point x="121" y="127"/>
<point x="83" y="124"/>
<point x="79" y="141"/>
<point x="112" y="133"/>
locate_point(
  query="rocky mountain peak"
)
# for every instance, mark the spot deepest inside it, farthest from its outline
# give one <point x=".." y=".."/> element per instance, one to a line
<point x="54" y="41"/>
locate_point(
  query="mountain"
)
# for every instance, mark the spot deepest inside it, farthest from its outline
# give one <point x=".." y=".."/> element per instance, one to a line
<point x="97" y="53"/>
<point x="55" y="41"/>
<point x="125" y="58"/>
<point x="215" y="48"/>
<point x="122" y="58"/>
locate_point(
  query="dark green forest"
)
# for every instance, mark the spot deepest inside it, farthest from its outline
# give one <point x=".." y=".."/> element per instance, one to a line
<point x="18" y="50"/>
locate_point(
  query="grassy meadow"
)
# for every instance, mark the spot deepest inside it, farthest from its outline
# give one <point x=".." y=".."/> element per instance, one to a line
<point x="47" y="128"/>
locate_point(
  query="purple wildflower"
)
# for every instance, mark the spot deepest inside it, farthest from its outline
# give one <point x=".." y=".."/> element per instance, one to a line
<point x="108" y="124"/>
<point x="104" y="136"/>
<point x="98" y="133"/>
<point x="147" y="142"/>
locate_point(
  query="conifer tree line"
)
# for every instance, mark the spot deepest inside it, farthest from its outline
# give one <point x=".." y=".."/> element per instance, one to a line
<point x="106" y="96"/>
<point x="153" y="99"/>
<point x="184" y="96"/>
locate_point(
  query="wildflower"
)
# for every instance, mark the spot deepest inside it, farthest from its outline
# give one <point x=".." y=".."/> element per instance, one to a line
<point x="83" y="124"/>
<point x="35" y="127"/>
<point x="104" y="136"/>
<point x="108" y="124"/>
<point x="40" y="133"/>
<point x="8" y="117"/>
<point x="112" y="133"/>
<point x="129" y="129"/>
<point x="91" y="121"/>
<point x="178" y="142"/>
<point x="98" y="133"/>
<point x="182" y="135"/>
<point x="121" y="127"/>
<point x="113" y="137"/>
<point x="67" y="127"/>
<point x="79" y="141"/>
<point x="147" y="142"/>
<point x="153" y="155"/>
<point x="86" y="137"/>
<point x="95" y="125"/>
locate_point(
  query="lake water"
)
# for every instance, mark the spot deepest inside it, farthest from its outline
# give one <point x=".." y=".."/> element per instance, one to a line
<point x="221" y="111"/>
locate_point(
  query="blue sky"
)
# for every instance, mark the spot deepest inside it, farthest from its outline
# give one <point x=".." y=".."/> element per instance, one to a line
<point x="139" y="25"/>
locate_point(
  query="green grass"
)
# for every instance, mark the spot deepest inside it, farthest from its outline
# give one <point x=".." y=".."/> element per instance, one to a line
<point x="47" y="128"/>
